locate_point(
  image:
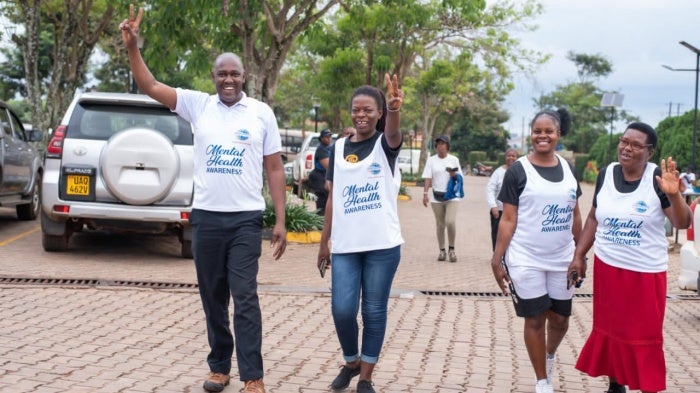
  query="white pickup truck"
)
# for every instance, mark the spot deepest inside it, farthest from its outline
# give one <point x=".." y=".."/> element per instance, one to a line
<point x="304" y="162"/>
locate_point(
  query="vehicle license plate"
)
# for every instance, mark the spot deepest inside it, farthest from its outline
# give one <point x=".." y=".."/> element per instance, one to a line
<point x="77" y="185"/>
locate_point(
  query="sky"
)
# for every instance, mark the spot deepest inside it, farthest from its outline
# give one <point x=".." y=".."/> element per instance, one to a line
<point x="637" y="36"/>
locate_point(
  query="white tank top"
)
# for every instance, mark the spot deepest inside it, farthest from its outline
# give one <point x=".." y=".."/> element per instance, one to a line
<point x="365" y="194"/>
<point x="630" y="233"/>
<point x="543" y="236"/>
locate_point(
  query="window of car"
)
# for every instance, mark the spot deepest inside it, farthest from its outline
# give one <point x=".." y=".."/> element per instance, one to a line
<point x="17" y="127"/>
<point x="99" y="121"/>
<point x="5" y="123"/>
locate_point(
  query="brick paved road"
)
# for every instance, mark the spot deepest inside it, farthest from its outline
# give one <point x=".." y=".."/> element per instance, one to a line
<point x="112" y="339"/>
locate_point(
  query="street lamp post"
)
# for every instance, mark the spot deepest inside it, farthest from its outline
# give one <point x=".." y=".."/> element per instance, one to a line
<point x="611" y="100"/>
<point x="316" y="105"/>
<point x="695" y="108"/>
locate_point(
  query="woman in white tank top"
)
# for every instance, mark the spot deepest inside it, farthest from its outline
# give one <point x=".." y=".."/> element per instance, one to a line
<point x="535" y="242"/>
<point x="626" y="225"/>
<point x="362" y="225"/>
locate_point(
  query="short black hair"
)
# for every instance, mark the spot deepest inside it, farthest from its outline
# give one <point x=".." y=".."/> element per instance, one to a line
<point x="378" y="95"/>
<point x="652" y="137"/>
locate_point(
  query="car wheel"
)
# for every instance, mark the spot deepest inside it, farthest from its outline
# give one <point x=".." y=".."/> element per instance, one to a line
<point x="139" y="166"/>
<point x="30" y="211"/>
<point x="52" y="243"/>
<point x="186" y="249"/>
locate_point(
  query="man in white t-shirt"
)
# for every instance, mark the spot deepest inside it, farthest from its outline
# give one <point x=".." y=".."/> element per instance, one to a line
<point x="235" y="137"/>
<point x="688" y="179"/>
<point x="445" y="211"/>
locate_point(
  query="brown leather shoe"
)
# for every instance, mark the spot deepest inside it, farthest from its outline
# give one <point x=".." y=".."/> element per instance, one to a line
<point x="216" y="382"/>
<point x="254" y="386"/>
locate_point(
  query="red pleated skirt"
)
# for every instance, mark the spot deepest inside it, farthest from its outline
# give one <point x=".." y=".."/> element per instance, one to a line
<point x="626" y="342"/>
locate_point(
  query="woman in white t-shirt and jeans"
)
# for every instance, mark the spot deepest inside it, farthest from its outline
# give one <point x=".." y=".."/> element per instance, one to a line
<point x="536" y="240"/>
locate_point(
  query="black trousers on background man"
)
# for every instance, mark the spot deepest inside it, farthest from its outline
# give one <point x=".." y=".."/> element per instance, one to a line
<point x="494" y="228"/>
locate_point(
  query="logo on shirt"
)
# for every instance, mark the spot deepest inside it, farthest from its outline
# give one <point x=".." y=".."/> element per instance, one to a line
<point x="243" y="134"/>
<point x="572" y="194"/>
<point x="641" y="207"/>
<point x="374" y="169"/>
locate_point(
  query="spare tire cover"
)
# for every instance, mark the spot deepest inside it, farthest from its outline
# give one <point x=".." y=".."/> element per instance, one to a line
<point x="139" y="165"/>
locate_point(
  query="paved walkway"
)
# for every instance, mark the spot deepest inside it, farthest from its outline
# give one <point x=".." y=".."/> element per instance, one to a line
<point x="460" y="338"/>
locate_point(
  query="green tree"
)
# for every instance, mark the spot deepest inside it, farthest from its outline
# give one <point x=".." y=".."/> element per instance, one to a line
<point x="676" y="139"/>
<point x="262" y="32"/>
<point x="462" y="47"/>
<point x="75" y="27"/>
<point x="582" y="100"/>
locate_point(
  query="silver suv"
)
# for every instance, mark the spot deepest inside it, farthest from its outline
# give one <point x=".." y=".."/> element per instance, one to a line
<point x="20" y="165"/>
<point x="118" y="162"/>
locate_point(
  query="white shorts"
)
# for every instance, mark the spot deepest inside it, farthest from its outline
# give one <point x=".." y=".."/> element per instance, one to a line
<point x="538" y="290"/>
<point x="531" y="282"/>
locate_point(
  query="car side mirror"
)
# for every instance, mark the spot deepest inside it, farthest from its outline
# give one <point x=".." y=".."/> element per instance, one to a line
<point x="36" y="136"/>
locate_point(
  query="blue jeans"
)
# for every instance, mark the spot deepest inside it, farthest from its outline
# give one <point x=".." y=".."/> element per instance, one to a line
<point x="370" y="274"/>
<point x="226" y="248"/>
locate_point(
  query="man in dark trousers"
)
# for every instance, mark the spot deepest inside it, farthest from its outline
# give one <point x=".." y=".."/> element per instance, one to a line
<point x="235" y="137"/>
<point x="317" y="177"/>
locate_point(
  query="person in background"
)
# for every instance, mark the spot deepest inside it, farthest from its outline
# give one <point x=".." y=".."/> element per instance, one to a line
<point x="632" y="199"/>
<point x="493" y="187"/>
<point x="364" y="185"/>
<point x="445" y="212"/>
<point x="235" y="137"/>
<point x="348" y="132"/>
<point x="688" y="180"/>
<point x="455" y="186"/>
<point x="536" y="238"/>
<point x="317" y="176"/>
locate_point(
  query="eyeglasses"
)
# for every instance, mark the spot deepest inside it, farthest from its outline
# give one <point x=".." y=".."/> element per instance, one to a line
<point x="624" y="142"/>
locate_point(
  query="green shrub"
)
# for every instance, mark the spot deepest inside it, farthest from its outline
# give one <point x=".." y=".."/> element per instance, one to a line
<point x="409" y="177"/>
<point x="580" y="162"/>
<point x="476" y="155"/>
<point x="297" y="217"/>
<point x="590" y="173"/>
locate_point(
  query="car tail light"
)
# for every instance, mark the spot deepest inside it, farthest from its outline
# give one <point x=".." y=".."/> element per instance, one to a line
<point x="61" y="208"/>
<point x="185" y="216"/>
<point x="55" y="147"/>
<point x="309" y="163"/>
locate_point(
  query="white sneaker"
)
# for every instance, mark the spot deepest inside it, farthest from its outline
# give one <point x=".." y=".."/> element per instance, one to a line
<point x="543" y="386"/>
<point x="550" y="366"/>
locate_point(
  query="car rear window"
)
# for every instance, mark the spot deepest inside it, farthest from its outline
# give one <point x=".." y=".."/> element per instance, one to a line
<point x="100" y="122"/>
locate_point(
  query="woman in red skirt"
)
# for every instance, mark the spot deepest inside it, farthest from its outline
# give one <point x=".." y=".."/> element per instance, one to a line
<point x="626" y="224"/>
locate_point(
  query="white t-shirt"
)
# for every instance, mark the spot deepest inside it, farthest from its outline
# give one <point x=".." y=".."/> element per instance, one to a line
<point x="435" y="169"/>
<point x="688" y="179"/>
<point x="493" y="187"/>
<point x="229" y="146"/>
